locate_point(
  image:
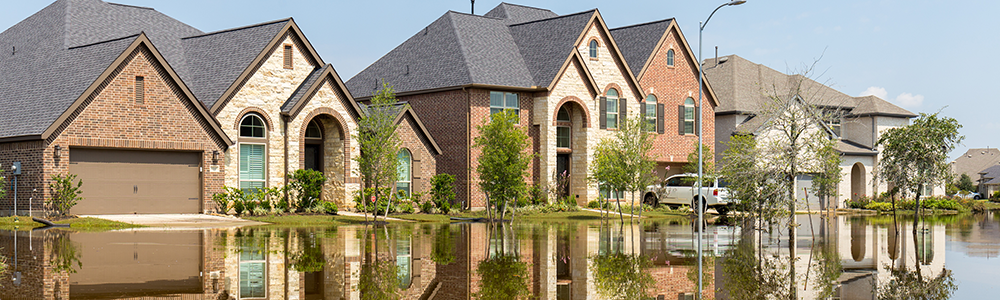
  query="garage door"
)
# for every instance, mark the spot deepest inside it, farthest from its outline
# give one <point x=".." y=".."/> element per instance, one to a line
<point x="128" y="181"/>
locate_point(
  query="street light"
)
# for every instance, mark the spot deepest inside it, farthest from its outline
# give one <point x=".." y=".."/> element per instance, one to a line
<point x="699" y="203"/>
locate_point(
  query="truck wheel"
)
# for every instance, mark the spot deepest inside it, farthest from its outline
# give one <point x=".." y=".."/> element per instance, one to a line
<point x="722" y="209"/>
<point x="650" y="200"/>
<point x="704" y="205"/>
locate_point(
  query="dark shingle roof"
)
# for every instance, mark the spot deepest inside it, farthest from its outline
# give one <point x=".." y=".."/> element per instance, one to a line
<point x="300" y="92"/>
<point x="459" y="49"/>
<point x="637" y="42"/>
<point x="215" y="60"/>
<point x="991" y="174"/>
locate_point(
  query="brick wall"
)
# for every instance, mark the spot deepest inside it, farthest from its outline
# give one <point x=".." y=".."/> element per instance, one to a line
<point x="424" y="162"/>
<point x="672" y="85"/>
<point x="445" y="114"/>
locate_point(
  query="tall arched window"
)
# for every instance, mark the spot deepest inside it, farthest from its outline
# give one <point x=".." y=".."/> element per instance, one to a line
<point x="651" y="113"/>
<point x="612" y="108"/>
<point x="563" y="128"/>
<point x="593" y="48"/>
<point x="253" y="143"/>
<point x="405" y="171"/>
<point x="670" y="57"/>
<point x="689" y="116"/>
<point x="313" y="148"/>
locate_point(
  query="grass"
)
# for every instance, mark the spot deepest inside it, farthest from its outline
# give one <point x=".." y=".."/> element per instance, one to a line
<point x="79" y="224"/>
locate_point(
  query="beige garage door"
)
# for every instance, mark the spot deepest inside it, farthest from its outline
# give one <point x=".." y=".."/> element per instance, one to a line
<point x="129" y="181"/>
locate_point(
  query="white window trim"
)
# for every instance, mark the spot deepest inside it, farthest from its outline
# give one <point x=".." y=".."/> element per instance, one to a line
<point x="239" y="167"/>
<point x="694" y="114"/>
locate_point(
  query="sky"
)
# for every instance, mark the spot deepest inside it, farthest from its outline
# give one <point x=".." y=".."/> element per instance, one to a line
<point x="925" y="56"/>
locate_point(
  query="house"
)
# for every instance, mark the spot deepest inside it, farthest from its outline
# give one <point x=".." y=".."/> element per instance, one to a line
<point x="989" y="181"/>
<point x="155" y="116"/>
<point x="564" y="75"/>
<point x="975" y="160"/>
<point x="660" y="57"/>
<point x="745" y="90"/>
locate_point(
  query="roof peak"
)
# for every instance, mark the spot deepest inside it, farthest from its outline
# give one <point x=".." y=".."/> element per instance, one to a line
<point x="521" y="5"/>
<point x="238" y="28"/>
<point x="131" y="6"/>
<point x="556" y="17"/>
<point x="646" y="23"/>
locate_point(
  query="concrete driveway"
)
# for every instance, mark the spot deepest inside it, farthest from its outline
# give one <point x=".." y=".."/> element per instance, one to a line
<point x="180" y="221"/>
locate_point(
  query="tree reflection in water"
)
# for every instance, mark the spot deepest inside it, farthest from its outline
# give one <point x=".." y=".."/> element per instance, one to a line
<point x="378" y="279"/>
<point x="65" y="254"/>
<point x="906" y="283"/>
<point x="618" y="275"/>
<point x="503" y="274"/>
<point x="309" y="257"/>
<point x="443" y="252"/>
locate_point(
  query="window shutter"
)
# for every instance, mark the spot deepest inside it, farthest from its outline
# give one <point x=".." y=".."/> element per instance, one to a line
<point x="642" y="111"/>
<point x="680" y="119"/>
<point x="622" y="111"/>
<point x="140" y="90"/>
<point x="659" y="118"/>
<point x="604" y="112"/>
<point x="288" y="56"/>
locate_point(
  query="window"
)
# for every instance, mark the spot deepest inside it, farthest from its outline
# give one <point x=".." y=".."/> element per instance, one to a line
<point x="832" y="117"/>
<point x="500" y="101"/>
<point x="670" y="58"/>
<point x="405" y="171"/>
<point x="562" y="129"/>
<point x="593" y="48"/>
<point x="140" y="89"/>
<point x="313" y="131"/>
<point x="404" y="261"/>
<point x="612" y="104"/>
<point x="651" y="113"/>
<point x="834" y="124"/>
<point x="252" y="272"/>
<point x="288" y="56"/>
<point x="252" y="152"/>
<point x="606" y="193"/>
<point x="689" y="116"/>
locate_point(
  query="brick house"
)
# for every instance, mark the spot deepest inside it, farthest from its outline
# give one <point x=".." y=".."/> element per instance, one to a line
<point x="662" y="60"/>
<point x="564" y="75"/>
<point x="166" y="126"/>
<point x="856" y="123"/>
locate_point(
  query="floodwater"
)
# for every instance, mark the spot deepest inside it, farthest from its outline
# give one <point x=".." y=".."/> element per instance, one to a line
<point x="832" y="257"/>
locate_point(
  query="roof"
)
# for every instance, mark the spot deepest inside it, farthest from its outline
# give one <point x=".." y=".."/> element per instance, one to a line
<point x="302" y="90"/>
<point x="975" y="160"/>
<point x="215" y="60"/>
<point x="60" y="50"/>
<point x="403" y="111"/>
<point x="638" y="42"/>
<point x="992" y="174"/>
<point x="512" y="45"/>
<point x="744" y="87"/>
<point x="850" y="148"/>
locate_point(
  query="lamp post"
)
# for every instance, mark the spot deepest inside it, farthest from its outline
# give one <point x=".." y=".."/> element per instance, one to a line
<point x="701" y="173"/>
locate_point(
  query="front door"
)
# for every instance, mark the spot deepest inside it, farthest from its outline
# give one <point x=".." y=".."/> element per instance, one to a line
<point x="314" y="157"/>
<point x="562" y="173"/>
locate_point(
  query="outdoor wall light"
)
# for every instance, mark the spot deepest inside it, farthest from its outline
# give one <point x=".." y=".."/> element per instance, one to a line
<point x="215" y="157"/>
<point x="58" y="152"/>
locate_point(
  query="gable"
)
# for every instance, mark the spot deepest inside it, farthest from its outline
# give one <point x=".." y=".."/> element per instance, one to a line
<point x="610" y="66"/>
<point x="327" y="83"/>
<point x="411" y="119"/>
<point x="167" y="112"/>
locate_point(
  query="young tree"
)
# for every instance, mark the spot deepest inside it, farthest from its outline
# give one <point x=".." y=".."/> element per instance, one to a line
<point x="916" y="155"/>
<point x="503" y="163"/>
<point x="622" y="161"/>
<point x="379" y="145"/>
<point x="965" y="183"/>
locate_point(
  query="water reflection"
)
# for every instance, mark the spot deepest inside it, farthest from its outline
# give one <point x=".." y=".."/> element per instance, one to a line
<point x="828" y="257"/>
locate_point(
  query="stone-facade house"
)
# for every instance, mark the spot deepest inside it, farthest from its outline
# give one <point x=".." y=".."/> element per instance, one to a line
<point x="989" y="181"/>
<point x="565" y="76"/>
<point x="666" y="67"/>
<point x="856" y="123"/>
<point x="250" y="104"/>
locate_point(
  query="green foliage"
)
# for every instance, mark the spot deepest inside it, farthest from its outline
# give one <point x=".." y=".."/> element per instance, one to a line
<point x="907" y="283"/>
<point x="879" y="206"/>
<point x="427" y="206"/>
<point x="827" y="180"/>
<point x="309" y="256"/>
<point x="622" y="161"/>
<point x="378" y="280"/>
<point x="504" y="276"/>
<point x="363" y="202"/>
<point x="330" y="207"/>
<point x="406" y="208"/>
<point x="3" y="191"/>
<point x="708" y="166"/>
<point x="65" y="192"/>
<point x="965" y="183"/>
<point x="622" y="276"/>
<point x="593" y="204"/>
<point x="443" y="252"/>
<point x="758" y="189"/>
<point x="503" y="163"/>
<point x="536" y="195"/>
<point x="917" y="154"/>
<point x="66" y="256"/>
<point x="305" y="186"/>
<point x="379" y="143"/>
<point x="256" y="201"/>
<point x="442" y="192"/>
<point x="996" y="196"/>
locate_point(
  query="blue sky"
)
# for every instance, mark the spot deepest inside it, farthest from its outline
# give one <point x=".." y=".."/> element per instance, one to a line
<point x="926" y="56"/>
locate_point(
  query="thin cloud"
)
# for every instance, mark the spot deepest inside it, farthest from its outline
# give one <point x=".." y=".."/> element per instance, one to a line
<point x="908" y="100"/>
<point x="875" y="91"/>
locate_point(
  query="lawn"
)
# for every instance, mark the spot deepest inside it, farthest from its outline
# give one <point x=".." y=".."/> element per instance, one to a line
<point x="80" y="224"/>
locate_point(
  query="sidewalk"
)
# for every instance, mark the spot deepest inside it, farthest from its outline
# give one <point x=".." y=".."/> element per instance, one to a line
<point x="178" y="221"/>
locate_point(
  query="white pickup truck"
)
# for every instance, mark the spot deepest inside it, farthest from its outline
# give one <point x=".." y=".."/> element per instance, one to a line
<point x="679" y="190"/>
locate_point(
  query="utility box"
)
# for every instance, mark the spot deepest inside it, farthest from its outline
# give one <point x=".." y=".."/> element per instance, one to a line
<point x="16" y="168"/>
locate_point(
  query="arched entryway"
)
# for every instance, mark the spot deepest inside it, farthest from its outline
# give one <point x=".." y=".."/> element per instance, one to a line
<point x="322" y="146"/>
<point x="570" y="141"/>
<point x="858" y="181"/>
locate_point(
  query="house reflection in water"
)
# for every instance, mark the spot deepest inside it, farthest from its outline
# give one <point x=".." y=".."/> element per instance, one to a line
<point x="459" y="261"/>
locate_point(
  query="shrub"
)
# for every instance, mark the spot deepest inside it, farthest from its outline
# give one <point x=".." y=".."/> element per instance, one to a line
<point x="443" y="191"/>
<point x="65" y="194"/>
<point x="306" y="185"/>
<point x="593" y="204"/>
<point x="879" y="206"/>
<point x="406" y="208"/>
<point x="536" y="195"/>
<point x="378" y="207"/>
<point x="329" y="208"/>
<point x="996" y="196"/>
<point x="256" y="201"/>
<point x="427" y="207"/>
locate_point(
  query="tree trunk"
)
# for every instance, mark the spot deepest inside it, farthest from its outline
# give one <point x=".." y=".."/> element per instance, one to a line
<point x="620" y="216"/>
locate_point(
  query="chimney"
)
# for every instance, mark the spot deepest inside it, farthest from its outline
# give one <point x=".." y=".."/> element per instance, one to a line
<point x="473" y="7"/>
<point x="716" y="56"/>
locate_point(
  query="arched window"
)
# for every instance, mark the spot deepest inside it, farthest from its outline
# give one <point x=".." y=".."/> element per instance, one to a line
<point x="651" y="113"/>
<point x="563" y="128"/>
<point x="253" y="145"/>
<point x="670" y="57"/>
<point x="404" y="261"/>
<point x="404" y="171"/>
<point x="689" y="116"/>
<point x="313" y="148"/>
<point x="313" y="131"/>
<point x="593" y="48"/>
<point x="612" y="108"/>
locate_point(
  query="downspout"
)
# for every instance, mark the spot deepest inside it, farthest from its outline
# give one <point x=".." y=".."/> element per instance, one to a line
<point x="284" y="133"/>
<point x="468" y="150"/>
<point x="878" y="155"/>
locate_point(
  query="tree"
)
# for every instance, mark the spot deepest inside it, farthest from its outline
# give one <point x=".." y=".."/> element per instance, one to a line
<point x="707" y="166"/>
<point x="379" y="145"/>
<point x="623" y="161"/>
<point x="503" y="163"/>
<point x="965" y="183"/>
<point x="65" y="194"/>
